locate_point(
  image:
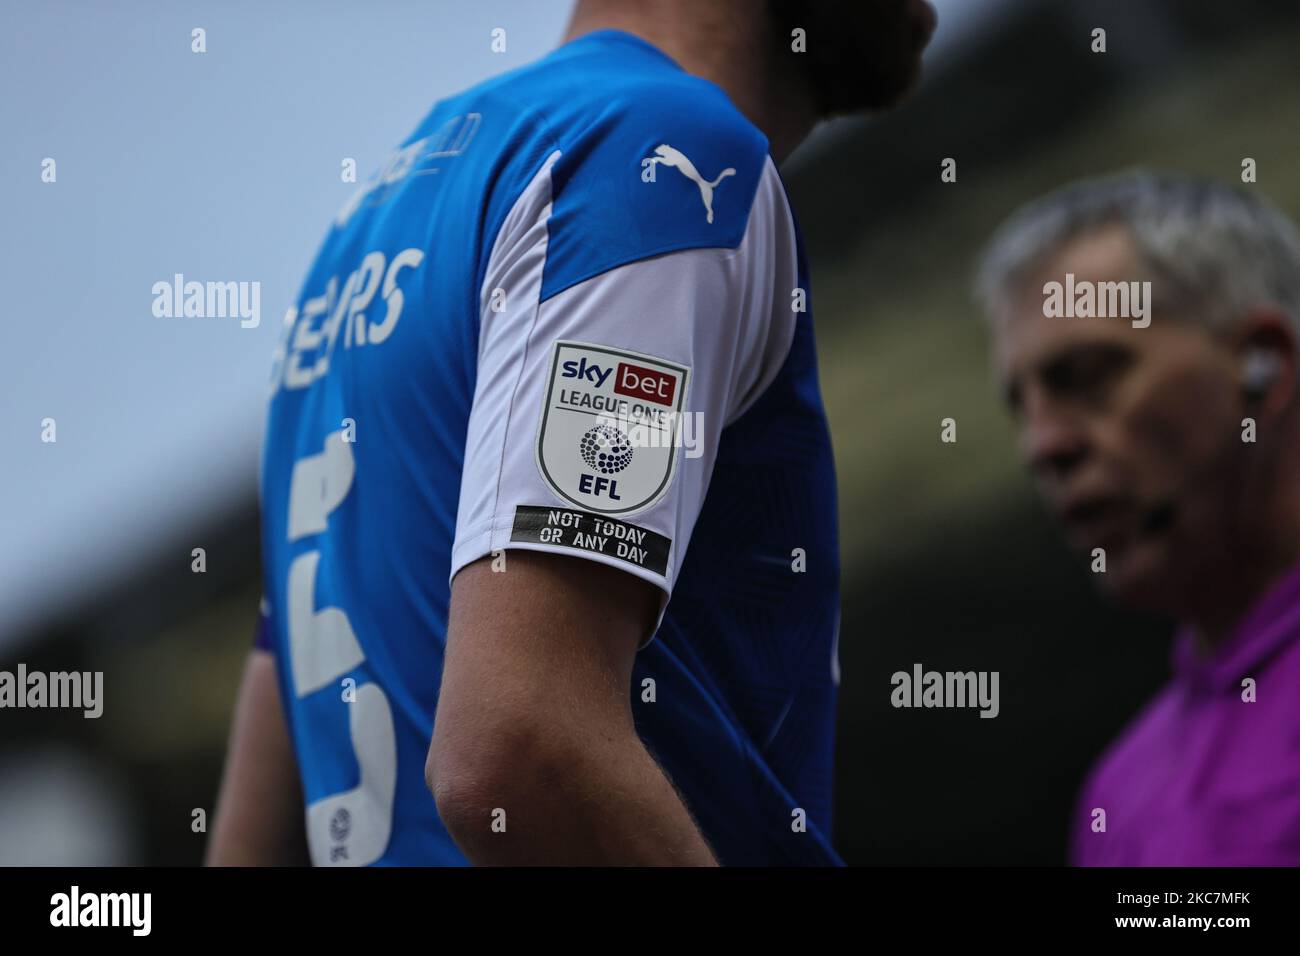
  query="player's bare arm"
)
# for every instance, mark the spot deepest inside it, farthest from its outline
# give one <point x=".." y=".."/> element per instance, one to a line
<point x="534" y="725"/>
<point x="259" y="810"/>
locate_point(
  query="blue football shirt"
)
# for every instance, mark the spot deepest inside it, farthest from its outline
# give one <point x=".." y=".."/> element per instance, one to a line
<point x="570" y="314"/>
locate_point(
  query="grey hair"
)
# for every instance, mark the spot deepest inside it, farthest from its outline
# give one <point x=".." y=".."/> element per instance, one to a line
<point x="1214" y="250"/>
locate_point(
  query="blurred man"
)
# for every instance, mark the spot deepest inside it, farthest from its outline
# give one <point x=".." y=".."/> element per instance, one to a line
<point x="1166" y="438"/>
<point x="561" y="337"/>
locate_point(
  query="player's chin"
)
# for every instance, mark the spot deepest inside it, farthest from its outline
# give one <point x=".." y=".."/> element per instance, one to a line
<point x="907" y="83"/>
<point x="900" y="75"/>
<point x="878" y="91"/>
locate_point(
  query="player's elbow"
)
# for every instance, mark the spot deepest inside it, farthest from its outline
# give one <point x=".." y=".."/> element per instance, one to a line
<point x="478" y="775"/>
<point x="461" y="786"/>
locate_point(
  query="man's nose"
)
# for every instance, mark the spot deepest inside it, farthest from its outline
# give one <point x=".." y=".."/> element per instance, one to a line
<point x="1052" y="440"/>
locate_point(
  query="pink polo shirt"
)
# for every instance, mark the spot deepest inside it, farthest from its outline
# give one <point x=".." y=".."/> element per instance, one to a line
<point x="1201" y="777"/>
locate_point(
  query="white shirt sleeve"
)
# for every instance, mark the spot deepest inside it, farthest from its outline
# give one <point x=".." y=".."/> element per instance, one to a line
<point x="597" y="412"/>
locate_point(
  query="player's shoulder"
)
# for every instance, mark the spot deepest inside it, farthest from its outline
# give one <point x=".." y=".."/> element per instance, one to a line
<point x="610" y="84"/>
<point x="645" y="158"/>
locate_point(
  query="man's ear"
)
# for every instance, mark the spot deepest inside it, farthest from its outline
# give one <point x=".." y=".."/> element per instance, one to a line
<point x="1265" y="345"/>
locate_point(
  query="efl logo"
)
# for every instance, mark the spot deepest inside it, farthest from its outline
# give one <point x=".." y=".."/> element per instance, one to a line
<point x="594" y="464"/>
<point x="645" y="384"/>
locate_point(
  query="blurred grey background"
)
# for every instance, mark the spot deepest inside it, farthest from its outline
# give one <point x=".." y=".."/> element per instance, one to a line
<point x="225" y="165"/>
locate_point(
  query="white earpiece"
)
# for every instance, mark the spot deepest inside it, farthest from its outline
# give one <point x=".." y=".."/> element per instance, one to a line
<point x="1259" y="370"/>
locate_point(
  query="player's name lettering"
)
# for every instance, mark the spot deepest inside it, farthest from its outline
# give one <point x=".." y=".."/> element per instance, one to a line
<point x="583" y="531"/>
<point x="312" y="332"/>
<point x="448" y="140"/>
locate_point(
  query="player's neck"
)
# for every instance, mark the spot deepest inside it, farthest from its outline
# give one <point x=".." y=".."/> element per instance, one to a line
<point x="732" y="51"/>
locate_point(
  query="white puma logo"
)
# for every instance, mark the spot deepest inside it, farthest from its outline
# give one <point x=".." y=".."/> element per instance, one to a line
<point x="675" y="158"/>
